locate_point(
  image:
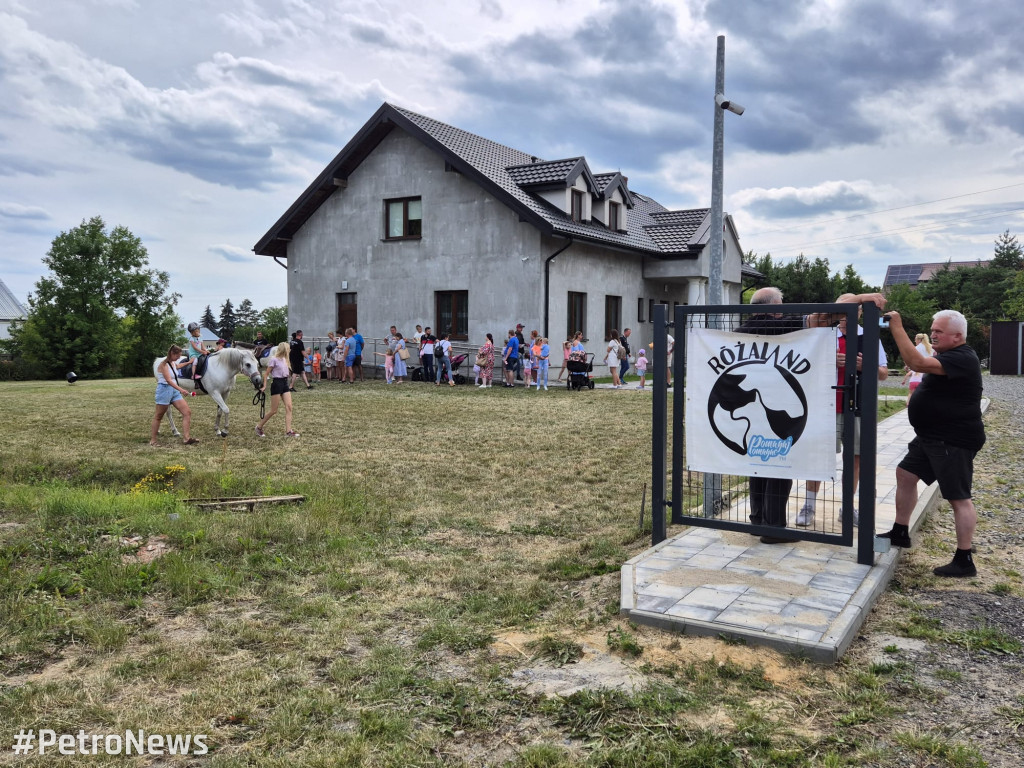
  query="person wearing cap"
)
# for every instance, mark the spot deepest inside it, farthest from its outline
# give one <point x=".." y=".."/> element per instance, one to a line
<point x="195" y="349"/>
<point x="221" y="343"/>
<point x="510" y="358"/>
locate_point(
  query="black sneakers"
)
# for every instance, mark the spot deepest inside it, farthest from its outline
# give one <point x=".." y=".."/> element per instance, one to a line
<point x="957" y="570"/>
<point x="897" y="538"/>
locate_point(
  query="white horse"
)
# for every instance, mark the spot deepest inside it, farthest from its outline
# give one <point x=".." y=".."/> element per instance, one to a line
<point x="219" y="380"/>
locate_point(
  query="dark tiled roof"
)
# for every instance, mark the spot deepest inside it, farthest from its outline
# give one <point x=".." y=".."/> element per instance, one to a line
<point x="602" y="180"/>
<point x="10" y="307"/>
<point x="541" y="172"/>
<point x="673" y="230"/>
<point x="499" y="169"/>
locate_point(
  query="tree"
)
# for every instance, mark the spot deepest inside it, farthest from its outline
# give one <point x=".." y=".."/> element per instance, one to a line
<point x="274" y="316"/>
<point x="246" y="315"/>
<point x="208" y="321"/>
<point x="804" y="281"/>
<point x="1013" y="306"/>
<point x="851" y="282"/>
<point x="916" y="311"/>
<point x="228" y="321"/>
<point x="99" y="311"/>
<point x="1008" y="253"/>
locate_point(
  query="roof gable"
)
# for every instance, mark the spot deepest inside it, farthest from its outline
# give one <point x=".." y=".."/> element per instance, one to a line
<point x="510" y="175"/>
<point x="10" y="307"/>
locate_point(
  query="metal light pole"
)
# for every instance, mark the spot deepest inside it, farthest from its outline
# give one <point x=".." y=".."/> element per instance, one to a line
<point x="713" y="483"/>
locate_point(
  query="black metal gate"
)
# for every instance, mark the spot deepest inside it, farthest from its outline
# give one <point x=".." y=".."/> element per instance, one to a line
<point x="722" y="501"/>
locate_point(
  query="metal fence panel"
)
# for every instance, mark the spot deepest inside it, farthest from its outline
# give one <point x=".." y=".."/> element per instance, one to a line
<point x="722" y="501"/>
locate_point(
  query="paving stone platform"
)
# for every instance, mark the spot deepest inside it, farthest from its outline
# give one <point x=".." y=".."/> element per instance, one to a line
<point x="803" y="598"/>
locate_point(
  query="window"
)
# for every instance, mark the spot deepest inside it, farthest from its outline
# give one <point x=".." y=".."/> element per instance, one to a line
<point x="614" y="211"/>
<point x="650" y="310"/>
<point x="577" y="205"/>
<point x="612" y="314"/>
<point x="640" y="311"/>
<point x="403" y="218"/>
<point x="577" y="313"/>
<point x="452" y="314"/>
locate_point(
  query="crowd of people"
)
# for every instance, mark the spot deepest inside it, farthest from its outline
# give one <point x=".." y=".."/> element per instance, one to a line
<point x="943" y="406"/>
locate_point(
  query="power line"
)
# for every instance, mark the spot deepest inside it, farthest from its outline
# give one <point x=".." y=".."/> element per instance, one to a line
<point x="898" y="230"/>
<point x="884" y="210"/>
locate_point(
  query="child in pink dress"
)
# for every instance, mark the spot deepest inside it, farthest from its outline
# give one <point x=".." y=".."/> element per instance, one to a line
<point x="389" y="365"/>
<point x="641" y="368"/>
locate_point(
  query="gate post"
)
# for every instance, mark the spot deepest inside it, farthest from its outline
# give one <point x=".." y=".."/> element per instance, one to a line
<point x="659" y="425"/>
<point x="868" y="434"/>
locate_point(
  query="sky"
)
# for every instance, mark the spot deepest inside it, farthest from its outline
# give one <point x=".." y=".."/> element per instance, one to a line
<point x="874" y="132"/>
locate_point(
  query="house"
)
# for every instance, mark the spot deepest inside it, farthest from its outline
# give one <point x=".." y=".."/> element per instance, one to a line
<point x="208" y="337"/>
<point x="419" y="222"/>
<point x="915" y="274"/>
<point x="10" y="310"/>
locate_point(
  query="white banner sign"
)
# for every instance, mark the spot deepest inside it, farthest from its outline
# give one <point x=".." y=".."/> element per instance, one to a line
<point x="761" y="405"/>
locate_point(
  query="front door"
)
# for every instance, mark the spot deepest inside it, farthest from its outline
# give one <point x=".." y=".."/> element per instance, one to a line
<point x="347" y="307"/>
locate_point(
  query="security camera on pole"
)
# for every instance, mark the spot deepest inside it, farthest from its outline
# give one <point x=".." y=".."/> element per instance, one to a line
<point x="713" y="483"/>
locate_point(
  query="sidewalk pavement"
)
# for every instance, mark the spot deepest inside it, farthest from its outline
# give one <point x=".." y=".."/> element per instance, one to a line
<point x="804" y="598"/>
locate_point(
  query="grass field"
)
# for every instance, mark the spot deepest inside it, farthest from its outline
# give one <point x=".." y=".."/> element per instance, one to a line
<point x="450" y="538"/>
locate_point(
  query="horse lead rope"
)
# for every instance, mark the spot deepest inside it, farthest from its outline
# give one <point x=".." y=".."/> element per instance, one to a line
<point x="260" y="399"/>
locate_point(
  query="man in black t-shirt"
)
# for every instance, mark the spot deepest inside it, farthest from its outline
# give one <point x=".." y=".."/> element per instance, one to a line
<point x="945" y="413"/>
<point x="769" y="496"/>
<point x="296" y="355"/>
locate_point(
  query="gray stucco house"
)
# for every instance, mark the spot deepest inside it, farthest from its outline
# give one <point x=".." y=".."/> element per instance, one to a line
<point x="10" y="310"/>
<point x="416" y="221"/>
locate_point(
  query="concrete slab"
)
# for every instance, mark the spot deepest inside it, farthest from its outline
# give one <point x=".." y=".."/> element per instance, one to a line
<point x="802" y="598"/>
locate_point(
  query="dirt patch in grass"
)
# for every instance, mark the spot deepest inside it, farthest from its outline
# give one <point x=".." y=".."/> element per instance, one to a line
<point x="145" y="551"/>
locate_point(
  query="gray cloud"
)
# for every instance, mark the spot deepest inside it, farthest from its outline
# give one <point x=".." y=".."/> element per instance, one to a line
<point x="232" y="253"/>
<point x="23" y="212"/>
<point x="827" y="198"/>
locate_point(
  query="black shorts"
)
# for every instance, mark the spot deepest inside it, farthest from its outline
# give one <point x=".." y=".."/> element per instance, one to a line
<point x="933" y="460"/>
<point x="357" y="360"/>
<point x="278" y="386"/>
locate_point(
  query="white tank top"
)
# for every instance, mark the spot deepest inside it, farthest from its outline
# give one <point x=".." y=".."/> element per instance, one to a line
<point x="159" y="373"/>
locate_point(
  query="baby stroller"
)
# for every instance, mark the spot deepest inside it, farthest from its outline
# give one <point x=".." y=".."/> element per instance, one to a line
<point x="457" y="361"/>
<point x="580" y="371"/>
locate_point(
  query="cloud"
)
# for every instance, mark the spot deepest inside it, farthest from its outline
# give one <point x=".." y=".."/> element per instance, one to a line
<point x="235" y="126"/>
<point x="827" y="74"/>
<point x="792" y="202"/>
<point x="17" y="165"/>
<point x="491" y="9"/>
<point x="232" y="253"/>
<point x="622" y="71"/>
<point x="23" y="212"/>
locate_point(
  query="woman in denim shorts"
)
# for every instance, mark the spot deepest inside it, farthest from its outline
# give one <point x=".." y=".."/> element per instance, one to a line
<point x="168" y="393"/>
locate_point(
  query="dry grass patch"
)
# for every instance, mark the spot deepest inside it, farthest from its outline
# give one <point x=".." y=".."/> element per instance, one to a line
<point x="388" y="620"/>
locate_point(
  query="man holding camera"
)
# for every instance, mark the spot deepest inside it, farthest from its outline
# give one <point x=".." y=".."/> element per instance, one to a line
<point x="945" y="413"/>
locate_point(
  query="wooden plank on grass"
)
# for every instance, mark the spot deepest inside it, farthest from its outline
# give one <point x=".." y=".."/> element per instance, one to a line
<point x="243" y="501"/>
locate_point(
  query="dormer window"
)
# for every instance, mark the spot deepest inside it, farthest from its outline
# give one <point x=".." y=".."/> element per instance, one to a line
<point x="577" y="205"/>
<point x="614" y="212"/>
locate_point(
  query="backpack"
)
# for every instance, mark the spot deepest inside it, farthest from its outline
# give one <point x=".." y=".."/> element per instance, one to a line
<point x="620" y="352"/>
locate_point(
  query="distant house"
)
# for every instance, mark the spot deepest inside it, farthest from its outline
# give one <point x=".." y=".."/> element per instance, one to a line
<point x="208" y="337"/>
<point x="10" y="310"/>
<point x="416" y="221"/>
<point x="915" y="274"/>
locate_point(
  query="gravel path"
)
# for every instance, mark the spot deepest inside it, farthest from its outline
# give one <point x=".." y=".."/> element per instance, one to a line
<point x="967" y="694"/>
